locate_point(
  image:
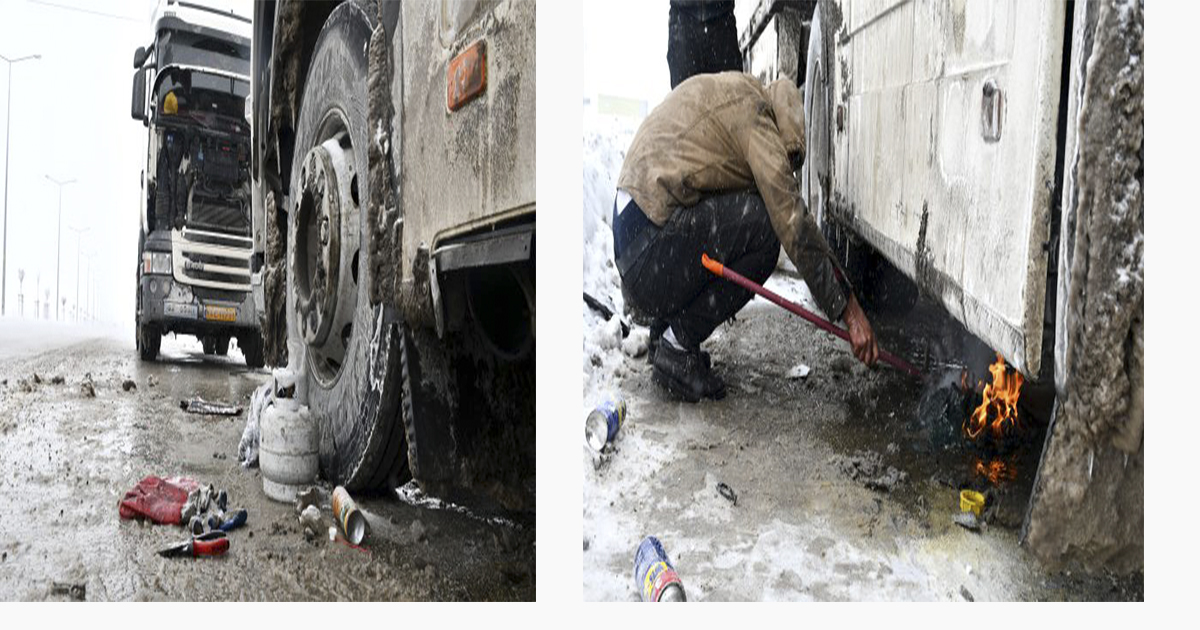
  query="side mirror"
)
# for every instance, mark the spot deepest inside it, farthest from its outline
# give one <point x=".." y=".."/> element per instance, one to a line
<point x="138" y="107"/>
<point x="139" y="56"/>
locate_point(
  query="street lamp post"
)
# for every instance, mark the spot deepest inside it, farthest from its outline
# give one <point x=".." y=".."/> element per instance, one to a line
<point x="7" y="129"/>
<point x="58" y="260"/>
<point x="78" y="249"/>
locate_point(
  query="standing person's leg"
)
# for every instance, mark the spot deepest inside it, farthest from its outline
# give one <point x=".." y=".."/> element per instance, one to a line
<point x="701" y="38"/>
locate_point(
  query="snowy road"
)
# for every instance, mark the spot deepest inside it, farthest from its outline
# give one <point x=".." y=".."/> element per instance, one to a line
<point x="68" y="458"/>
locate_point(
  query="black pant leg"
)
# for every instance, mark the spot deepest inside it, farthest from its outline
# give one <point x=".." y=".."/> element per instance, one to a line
<point x="696" y="46"/>
<point x="669" y="282"/>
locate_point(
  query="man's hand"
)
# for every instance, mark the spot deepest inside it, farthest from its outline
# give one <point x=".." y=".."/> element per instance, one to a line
<point x="862" y="338"/>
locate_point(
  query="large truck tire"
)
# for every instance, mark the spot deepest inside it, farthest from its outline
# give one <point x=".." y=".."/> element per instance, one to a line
<point x="149" y="341"/>
<point x="350" y="350"/>
<point x="1088" y="505"/>
<point x="221" y="346"/>
<point x="251" y="345"/>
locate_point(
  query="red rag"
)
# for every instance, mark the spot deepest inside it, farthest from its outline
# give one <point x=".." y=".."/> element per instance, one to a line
<point x="157" y="499"/>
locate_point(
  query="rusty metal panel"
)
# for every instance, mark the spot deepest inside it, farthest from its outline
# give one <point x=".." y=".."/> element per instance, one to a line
<point x="943" y="158"/>
<point x="468" y="168"/>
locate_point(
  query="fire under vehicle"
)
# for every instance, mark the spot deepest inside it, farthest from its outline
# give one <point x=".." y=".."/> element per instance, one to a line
<point x="195" y="243"/>
<point x="989" y="156"/>
<point x="394" y="200"/>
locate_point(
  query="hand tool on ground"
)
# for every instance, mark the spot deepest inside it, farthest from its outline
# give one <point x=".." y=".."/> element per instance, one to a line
<point x="724" y="272"/>
<point x="210" y="544"/>
<point x="228" y="521"/>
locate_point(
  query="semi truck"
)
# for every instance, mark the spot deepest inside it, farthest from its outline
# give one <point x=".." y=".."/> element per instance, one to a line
<point x="988" y="155"/>
<point x="195" y="245"/>
<point x="394" y="212"/>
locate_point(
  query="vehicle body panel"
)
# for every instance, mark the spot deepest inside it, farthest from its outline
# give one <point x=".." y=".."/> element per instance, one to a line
<point x="473" y="168"/>
<point x="942" y="122"/>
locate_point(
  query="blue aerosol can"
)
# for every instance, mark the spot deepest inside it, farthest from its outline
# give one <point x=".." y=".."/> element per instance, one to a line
<point x="603" y="422"/>
<point x="655" y="575"/>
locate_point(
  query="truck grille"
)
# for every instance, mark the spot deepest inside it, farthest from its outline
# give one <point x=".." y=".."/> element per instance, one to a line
<point x="219" y="215"/>
<point x="212" y="260"/>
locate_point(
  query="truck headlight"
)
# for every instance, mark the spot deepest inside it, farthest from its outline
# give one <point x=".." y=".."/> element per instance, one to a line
<point x="156" y="262"/>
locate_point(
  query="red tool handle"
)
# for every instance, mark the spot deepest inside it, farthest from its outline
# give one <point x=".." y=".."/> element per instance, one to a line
<point x="746" y="283"/>
<point x="210" y="547"/>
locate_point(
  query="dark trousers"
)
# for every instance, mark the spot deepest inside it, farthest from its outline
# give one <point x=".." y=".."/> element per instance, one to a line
<point x="666" y="280"/>
<point x="702" y="38"/>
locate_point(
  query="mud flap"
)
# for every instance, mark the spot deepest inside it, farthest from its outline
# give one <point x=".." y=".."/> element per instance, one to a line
<point x="430" y="409"/>
<point x="1087" y="506"/>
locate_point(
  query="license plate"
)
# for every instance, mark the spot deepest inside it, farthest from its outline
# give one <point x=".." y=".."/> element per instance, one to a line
<point x="220" y="313"/>
<point x="179" y="309"/>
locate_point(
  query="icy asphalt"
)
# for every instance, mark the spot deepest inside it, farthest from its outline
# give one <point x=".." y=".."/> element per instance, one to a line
<point x="67" y="459"/>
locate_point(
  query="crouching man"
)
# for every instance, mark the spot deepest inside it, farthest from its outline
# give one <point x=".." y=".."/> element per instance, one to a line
<point x="711" y="170"/>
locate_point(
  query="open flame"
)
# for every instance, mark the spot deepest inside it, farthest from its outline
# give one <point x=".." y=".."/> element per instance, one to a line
<point x="997" y="414"/>
<point x="997" y="471"/>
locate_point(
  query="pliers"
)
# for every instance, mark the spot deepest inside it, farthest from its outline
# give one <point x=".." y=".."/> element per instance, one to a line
<point x="208" y="544"/>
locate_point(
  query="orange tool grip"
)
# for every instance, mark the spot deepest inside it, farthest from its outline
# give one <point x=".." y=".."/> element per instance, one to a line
<point x="712" y="265"/>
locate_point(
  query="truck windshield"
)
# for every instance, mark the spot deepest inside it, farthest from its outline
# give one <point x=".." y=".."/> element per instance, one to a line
<point x="181" y="48"/>
<point x="200" y="96"/>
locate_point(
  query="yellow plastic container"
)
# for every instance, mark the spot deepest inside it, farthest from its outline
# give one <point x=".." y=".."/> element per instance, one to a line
<point x="971" y="501"/>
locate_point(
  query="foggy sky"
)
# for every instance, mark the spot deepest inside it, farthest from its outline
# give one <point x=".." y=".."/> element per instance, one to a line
<point x="70" y="119"/>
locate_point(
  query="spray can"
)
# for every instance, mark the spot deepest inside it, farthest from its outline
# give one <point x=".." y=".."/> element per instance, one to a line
<point x="655" y="575"/>
<point x="603" y="422"/>
<point x="349" y="517"/>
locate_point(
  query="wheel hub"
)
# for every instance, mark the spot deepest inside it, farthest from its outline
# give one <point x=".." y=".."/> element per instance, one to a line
<point x="326" y="177"/>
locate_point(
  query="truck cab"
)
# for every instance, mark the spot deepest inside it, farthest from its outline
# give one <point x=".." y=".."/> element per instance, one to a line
<point x="195" y="244"/>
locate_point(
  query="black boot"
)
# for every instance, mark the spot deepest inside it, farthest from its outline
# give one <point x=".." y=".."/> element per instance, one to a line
<point x="685" y="374"/>
<point x="657" y="328"/>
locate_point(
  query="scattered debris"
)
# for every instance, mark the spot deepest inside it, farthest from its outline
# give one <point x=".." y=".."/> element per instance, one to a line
<point x="209" y="544"/>
<point x="799" y="372"/>
<point x="76" y="591"/>
<point x="654" y="574"/>
<point x="159" y="500"/>
<point x="962" y="590"/>
<point x="58" y="379"/>
<point x="315" y="525"/>
<point x="604" y="311"/>
<point x="636" y="343"/>
<point x="971" y="501"/>
<point x="37" y="379"/>
<point x="200" y="406"/>
<point x="26" y="386"/>
<point x="602" y="424"/>
<point x="868" y="469"/>
<point x="311" y="496"/>
<point x="221" y="521"/>
<point x="151" y="381"/>
<point x="128" y="385"/>
<point x="724" y="490"/>
<point x="87" y="387"/>
<point x="349" y="517"/>
<point x="968" y="520"/>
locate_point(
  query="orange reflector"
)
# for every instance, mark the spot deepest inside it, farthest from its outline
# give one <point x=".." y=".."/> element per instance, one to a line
<point x="467" y="76"/>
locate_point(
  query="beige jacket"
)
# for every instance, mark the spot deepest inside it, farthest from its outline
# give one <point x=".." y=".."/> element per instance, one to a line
<point x="726" y="132"/>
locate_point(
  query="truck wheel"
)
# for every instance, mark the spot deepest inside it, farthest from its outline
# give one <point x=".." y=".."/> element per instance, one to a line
<point x="208" y="344"/>
<point x="350" y="350"/>
<point x="252" y="348"/>
<point x="148" y="342"/>
<point x="221" y="346"/>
